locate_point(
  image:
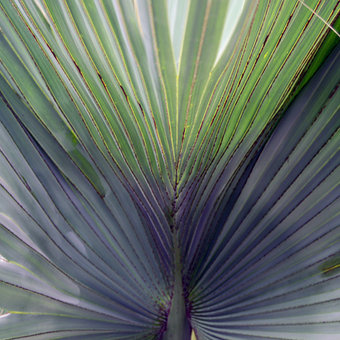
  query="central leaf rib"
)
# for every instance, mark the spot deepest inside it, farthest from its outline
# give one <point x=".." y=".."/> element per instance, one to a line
<point x="178" y="326"/>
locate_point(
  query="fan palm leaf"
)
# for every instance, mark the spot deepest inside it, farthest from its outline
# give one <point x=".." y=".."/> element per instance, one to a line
<point x="169" y="168"/>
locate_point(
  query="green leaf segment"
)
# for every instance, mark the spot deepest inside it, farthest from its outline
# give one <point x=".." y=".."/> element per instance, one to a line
<point x="169" y="167"/>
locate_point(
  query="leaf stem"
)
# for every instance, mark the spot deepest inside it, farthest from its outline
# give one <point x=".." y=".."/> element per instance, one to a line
<point x="178" y="326"/>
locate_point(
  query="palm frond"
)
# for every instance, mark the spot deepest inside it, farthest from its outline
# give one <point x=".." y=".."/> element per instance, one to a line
<point x="169" y="165"/>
